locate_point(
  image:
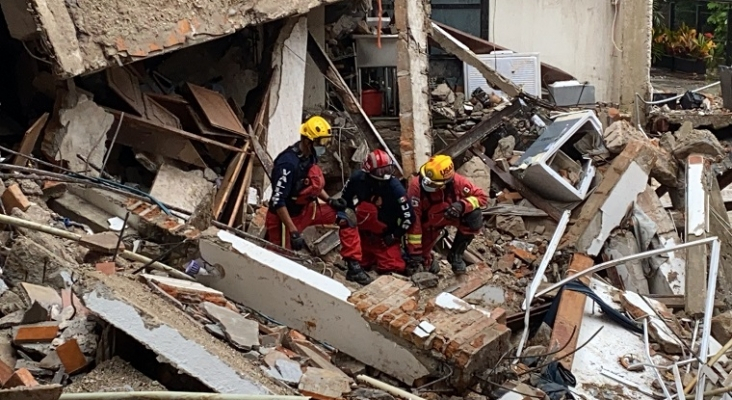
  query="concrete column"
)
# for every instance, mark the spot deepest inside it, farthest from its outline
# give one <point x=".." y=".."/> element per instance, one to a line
<point x="286" y="98"/>
<point x="633" y="36"/>
<point x="314" y="95"/>
<point x="413" y="25"/>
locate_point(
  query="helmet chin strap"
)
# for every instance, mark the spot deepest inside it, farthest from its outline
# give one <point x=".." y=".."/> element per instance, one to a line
<point x="427" y="188"/>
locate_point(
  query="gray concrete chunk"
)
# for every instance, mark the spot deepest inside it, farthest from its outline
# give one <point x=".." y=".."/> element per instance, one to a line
<point x="289" y="370"/>
<point x="240" y="332"/>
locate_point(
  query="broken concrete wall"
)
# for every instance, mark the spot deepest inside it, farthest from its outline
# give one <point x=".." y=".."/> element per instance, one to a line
<point x="87" y="35"/>
<point x="567" y="32"/>
<point x="81" y="128"/>
<point x="304" y="300"/>
<point x="286" y="99"/>
<point x="314" y="95"/>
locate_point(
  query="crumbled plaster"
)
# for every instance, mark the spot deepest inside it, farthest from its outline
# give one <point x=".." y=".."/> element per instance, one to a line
<point x="112" y="31"/>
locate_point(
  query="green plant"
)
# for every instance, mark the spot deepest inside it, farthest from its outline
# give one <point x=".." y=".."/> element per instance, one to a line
<point x="684" y="42"/>
<point x="718" y="19"/>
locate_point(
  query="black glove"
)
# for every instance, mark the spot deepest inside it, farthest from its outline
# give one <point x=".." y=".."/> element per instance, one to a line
<point x="415" y="262"/>
<point x="389" y="239"/>
<point x="338" y="204"/>
<point x="297" y="241"/>
<point x="455" y="210"/>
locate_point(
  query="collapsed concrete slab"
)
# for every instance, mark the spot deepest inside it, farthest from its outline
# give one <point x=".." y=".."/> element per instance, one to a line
<point x="603" y="211"/>
<point x="307" y="301"/>
<point x="186" y="355"/>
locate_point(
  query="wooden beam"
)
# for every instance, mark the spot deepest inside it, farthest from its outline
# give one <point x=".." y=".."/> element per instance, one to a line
<point x="30" y="139"/>
<point x="353" y="108"/>
<point x="569" y="314"/>
<point x="464" y="54"/>
<point x="483" y="129"/>
<point x="145" y="125"/>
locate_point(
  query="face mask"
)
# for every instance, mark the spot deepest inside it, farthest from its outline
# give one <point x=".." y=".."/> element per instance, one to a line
<point x="428" y="189"/>
<point x="319" y="150"/>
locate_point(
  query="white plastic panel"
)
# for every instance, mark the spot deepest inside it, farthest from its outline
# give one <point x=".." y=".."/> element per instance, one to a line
<point x="523" y="69"/>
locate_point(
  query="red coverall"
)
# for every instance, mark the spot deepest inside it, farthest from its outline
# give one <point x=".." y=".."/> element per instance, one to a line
<point x="429" y="209"/>
<point x="313" y="213"/>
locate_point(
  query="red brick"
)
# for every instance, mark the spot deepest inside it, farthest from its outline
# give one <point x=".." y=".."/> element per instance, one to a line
<point x="13" y="197"/>
<point x="406" y="332"/>
<point x="409" y="305"/>
<point x="475" y="329"/>
<point x="107" y="268"/>
<point x="395" y="327"/>
<point x="363" y="305"/>
<point x="486" y="337"/>
<point x="21" y="378"/>
<point x="411" y="291"/>
<point x="476" y="280"/>
<point x="523" y="254"/>
<point x="71" y="356"/>
<point x="505" y="263"/>
<point x="377" y="310"/>
<point x="438" y="343"/>
<point x="386" y="318"/>
<point x="53" y="188"/>
<point x="43" y="332"/>
<point x="5" y="373"/>
<point x="499" y="314"/>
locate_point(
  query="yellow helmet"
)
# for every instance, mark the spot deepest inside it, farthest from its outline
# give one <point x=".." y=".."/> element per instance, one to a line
<point x="437" y="172"/>
<point x="316" y="129"/>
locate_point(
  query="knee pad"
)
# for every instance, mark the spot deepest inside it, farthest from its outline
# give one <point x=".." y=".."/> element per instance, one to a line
<point x="473" y="220"/>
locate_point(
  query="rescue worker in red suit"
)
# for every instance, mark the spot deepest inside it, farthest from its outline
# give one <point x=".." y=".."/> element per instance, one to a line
<point x="441" y="198"/>
<point x="298" y="184"/>
<point x="383" y="212"/>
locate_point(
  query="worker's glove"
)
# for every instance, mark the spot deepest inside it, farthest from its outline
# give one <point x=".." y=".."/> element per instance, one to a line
<point x="338" y="204"/>
<point x="414" y="264"/>
<point x="455" y="210"/>
<point x="297" y="241"/>
<point x="389" y="239"/>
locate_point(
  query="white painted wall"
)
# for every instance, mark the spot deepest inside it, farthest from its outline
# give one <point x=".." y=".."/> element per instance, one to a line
<point x="572" y="35"/>
<point x="285" y="108"/>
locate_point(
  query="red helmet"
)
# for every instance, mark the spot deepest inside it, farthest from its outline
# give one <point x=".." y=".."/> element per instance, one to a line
<point x="379" y="165"/>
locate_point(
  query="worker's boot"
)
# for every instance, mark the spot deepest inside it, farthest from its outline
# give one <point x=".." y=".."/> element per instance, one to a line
<point x="434" y="266"/>
<point x="455" y="257"/>
<point x="356" y="273"/>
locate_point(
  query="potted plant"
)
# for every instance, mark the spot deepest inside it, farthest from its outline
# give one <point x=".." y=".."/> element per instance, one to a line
<point x="685" y="49"/>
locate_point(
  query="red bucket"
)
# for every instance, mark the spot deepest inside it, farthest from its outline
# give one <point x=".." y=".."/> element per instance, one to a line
<point x="371" y="101"/>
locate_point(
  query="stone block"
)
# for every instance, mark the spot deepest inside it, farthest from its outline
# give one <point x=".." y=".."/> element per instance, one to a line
<point x="322" y="384"/>
<point x="722" y="327"/>
<point x="107" y="267"/>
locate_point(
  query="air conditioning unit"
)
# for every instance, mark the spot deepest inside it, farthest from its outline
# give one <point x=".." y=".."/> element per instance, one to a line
<point x="523" y="69"/>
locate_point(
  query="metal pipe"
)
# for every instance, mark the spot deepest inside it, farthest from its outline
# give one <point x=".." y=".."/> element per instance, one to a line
<point x="6" y="219"/>
<point x="172" y="396"/>
<point x="678" y="96"/>
<point x="693" y="342"/>
<point x="707" y="324"/>
<point x="388" y="388"/>
<point x="623" y="260"/>
<point x="647" y="350"/>
<point x="534" y="286"/>
<point x="713" y="392"/>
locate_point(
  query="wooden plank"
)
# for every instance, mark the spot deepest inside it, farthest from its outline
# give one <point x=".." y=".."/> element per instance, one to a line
<point x="126" y="85"/>
<point x="30" y="139"/>
<point x="157" y="113"/>
<point x="676" y="302"/>
<point x="230" y="177"/>
<point x="135" y="122"/>
<point x="243" y="190"/>
<point x="205" y="128"/>
<point x="216" y="109"/>
<point x="569" y="314"/>
<point x="483" y="129"/>
<point x="158" y="142"/>
<point x="464" y="54"/>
